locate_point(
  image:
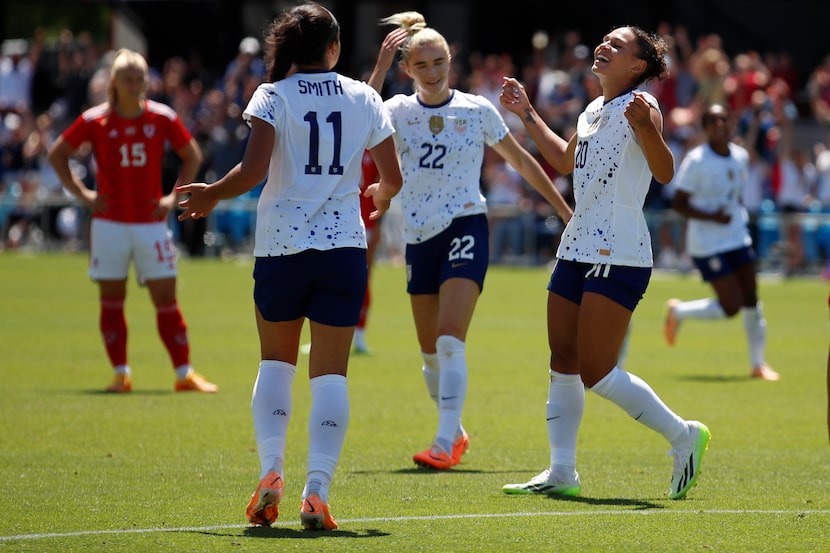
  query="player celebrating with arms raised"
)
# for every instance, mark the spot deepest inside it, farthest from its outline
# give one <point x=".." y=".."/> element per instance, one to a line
<point x="604" y="259"/>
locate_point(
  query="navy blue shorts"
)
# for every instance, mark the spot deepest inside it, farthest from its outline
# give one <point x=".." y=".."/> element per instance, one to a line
<point x="724" y="263"/>
<point x="325" y="286"/>
<point x="621" y="284"/>
<point x="462" y="250"/>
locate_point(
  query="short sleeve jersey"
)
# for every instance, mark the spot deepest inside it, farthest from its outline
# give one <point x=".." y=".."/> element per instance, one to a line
<point x="129" y="153"/>
<point x="441" y="149"/>
<point x="611" y="179"/>
<point x="714" y="183"/>
<point x="323" y="123"/>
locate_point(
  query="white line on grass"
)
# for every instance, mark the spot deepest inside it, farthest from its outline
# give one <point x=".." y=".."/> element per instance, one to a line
<point x="425" y="517"/>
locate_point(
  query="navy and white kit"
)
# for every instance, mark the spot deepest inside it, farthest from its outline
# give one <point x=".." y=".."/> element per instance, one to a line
<point x="441" y="149"/>
<point x="311" y="200"/>
<point x="608" y="233"/>
<point x="715" y="183"/>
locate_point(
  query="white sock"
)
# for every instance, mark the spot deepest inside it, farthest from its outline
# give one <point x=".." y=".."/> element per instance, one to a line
<point x="123" y="369"/>
<point x="327" y="424"/>
<point x="636" y="398"/>
<point x="452" y="389"/>
<point x="756" y="334"/>
<point x="359" y="338"/>
<point x="706" y="308"/>
<point x="564" y="409"/>
<point x="431" y="371"/>
<point x="271" y="409"/>
<point x="182" y="371"/>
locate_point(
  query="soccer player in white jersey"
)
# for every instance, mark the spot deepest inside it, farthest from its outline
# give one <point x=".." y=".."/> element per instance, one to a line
<point x="709" y="183"/>
<point x="440" y="136"/>
<point x="604" y="260"/>
<point x="309" y="129"/>
<point x="129" y="135"/>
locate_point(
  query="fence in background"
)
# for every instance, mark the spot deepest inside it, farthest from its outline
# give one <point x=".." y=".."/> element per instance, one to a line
<point x="517" y="237"/>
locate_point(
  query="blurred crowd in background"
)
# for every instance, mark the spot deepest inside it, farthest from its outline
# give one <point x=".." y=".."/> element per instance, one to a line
<point x="782" y="121"/>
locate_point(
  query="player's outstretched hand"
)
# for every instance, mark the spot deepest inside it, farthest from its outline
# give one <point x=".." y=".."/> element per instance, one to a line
<point x="199" y="203"/>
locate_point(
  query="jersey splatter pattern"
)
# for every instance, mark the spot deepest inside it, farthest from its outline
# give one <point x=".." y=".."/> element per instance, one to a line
<point x="323" y="123"/>
<point x="441" y="149"/>
<point x="611" y="180"/>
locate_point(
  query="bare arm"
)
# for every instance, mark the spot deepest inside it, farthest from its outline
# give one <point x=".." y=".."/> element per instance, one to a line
<point x="529" y="168"/>
<point x="680" y="203"/>
<point x="191" y="156"/>
<point x="59" y="155"/>
<point x="391" y="179"/>
<point x="555" y="149"/>
<point x="647" y="125"/>
<point x="251" y="171"/>
<point x="386" y="56"/>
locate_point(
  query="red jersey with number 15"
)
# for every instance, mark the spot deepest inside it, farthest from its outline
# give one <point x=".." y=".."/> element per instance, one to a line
<point x="129" y="154"/>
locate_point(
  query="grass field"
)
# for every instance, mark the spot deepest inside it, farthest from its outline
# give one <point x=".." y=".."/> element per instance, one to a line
<point x="155" y="471"/>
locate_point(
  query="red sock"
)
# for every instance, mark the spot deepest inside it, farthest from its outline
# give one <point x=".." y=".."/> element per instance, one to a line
<point x="173" y="332"/>
<point x="113" y="327"/>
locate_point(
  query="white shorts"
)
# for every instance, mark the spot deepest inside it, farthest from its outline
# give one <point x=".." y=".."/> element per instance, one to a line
<point x="113" y="245"/>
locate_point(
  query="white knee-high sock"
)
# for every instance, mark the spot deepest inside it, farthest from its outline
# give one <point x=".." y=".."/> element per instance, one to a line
<point x="636" y="398"/>
<point x="707" y="308"/>
<point x="327" y="424"/>
<point x="271" y="410"/>
<point x="564" y="409"/>
<point x="452" y="389"/>
<point x="431" y="371"/>
<point x="756" y="334"/>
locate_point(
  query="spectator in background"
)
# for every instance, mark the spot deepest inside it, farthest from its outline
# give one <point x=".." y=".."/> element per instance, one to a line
<point x="129" y="135"/>
<point x="818" y="92"/>
<point x="795" y="175"/>
<point x="710" y="67"/>
<point x="246" y="66"/>
<point x="709" y="184"/>
<point x="17" y="70"/>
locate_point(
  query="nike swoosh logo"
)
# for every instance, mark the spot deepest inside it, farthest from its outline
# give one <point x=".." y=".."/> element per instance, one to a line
<point x="310" y="506"/>
<point x="554" y="418"/>
<point x="445" y="398"/>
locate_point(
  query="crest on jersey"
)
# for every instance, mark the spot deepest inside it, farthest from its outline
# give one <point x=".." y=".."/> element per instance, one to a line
<point x="436" y="124"/>
<point x="460" y="126"/>
<point x="149" y="130"/>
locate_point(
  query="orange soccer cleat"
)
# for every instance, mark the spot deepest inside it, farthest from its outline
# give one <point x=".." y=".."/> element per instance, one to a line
<point x="434" y="458"/>
<point x="671" y="323"/>
<point x="264" y="506"/>
<point x="194" y="382"/>
<point x="120" y="385"/>
<point x="459" y="447"/>
<point x="314" y="514"/>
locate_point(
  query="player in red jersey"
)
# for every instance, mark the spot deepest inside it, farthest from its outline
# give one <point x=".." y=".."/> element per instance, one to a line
<point x="128" y="135"/>
<point x="369" y="175"/>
